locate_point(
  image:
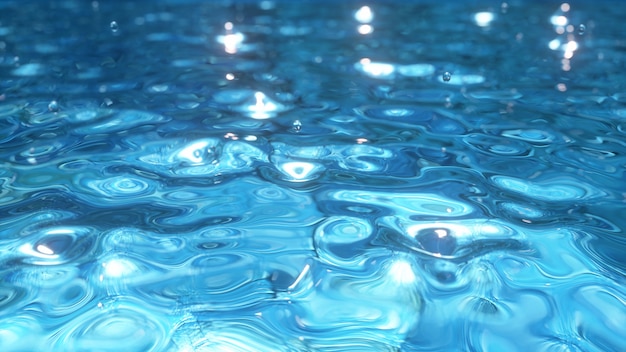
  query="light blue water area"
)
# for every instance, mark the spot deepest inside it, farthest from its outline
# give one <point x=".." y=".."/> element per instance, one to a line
<point x="312" y="176"/>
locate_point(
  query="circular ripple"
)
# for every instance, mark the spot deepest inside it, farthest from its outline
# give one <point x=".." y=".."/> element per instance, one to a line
<point x="271" y="194"/>
<point x="341" y="240"/>
<point x="122" y="187"/>
<point x="498" y="146"/>
<point x="68" y="298"/>
<point x="395" y="113"/>
<point x="530" y="135"/>
<point x="560" y="189"/>
<point x="126" y="323"/>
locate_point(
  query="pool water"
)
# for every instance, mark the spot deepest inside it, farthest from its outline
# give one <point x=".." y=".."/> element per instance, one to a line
<point x="312" y="176"/>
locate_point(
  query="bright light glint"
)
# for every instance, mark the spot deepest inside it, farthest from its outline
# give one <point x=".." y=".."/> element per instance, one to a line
<point x="44" y="249"/>
<point x="364" y="15"/>
<point x="571" y="46"/>
<point x="376" y="69"/>
<point x="554" y="44"/>
<point x="195" y="152"/>
<point x="117" y="267"/>
<point x="298" y="170"/>
<point x="483" y="19"/>
<point x="263" y="107"/>
<point x="365" y="29"/>
<point x="558" y="20"/>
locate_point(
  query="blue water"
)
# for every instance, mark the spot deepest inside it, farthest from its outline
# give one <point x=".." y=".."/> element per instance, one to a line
<point x="312" y="176"/>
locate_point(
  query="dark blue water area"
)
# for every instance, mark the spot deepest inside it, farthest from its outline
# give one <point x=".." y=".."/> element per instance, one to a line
<point x="312" y="176"/>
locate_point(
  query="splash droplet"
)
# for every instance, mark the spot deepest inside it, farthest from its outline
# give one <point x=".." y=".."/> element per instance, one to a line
<point x="446" y="76"/>
<point x="581" y="29"/>
<point x="53" y="106"/>
<point x="114" y="26"/>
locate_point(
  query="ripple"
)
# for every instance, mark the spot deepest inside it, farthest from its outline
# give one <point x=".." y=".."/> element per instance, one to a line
<point x="8" y="126"/>
<point x="120" y="121"/>
<point x="202" y="157"/>
<point x="342" y="240"/>
<point x="41" y="153"/>
<point x="65" y="299"/>
<point x="406" y="204"/>
<point x="129" y="324"/>
<point x="523" y="212"/>
<point x="58" y="245"/>
<point x="497" y="146"/>
<point x="254" y="104"/>
<point x="395" y="113"/>
<point x="458" y="240"/>
<point x="355" y="307"/>
<point x="11" y="298"/>
<point x="122" y="187"/>
<point x="241" y="334"/>
<point x="559" y="189"/>
<point x="154" y="247"/>
<point x="271" y="194"/>
<point x="537" y="137"/>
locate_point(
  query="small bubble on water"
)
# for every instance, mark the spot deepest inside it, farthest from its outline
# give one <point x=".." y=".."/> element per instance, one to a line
<point x="446" y="76"/>
<point x="297" y="125"/>
<point x="114" y="26"/>
<point x="53" y="106"/>
<point x="581" y="29"/>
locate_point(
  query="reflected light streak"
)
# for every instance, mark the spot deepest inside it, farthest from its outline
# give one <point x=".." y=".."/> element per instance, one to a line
<point x="305" y="271"/>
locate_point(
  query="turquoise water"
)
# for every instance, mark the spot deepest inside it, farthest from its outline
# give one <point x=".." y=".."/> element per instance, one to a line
<point x="312" y="176"/>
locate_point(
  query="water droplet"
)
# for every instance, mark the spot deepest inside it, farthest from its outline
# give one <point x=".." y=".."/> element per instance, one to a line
<point x="297" y="125"/>
<point x="53" y="106"/>
<point x="581" y="29"/>
<point x="446" y="76"/>
<point x="114" y="27"/>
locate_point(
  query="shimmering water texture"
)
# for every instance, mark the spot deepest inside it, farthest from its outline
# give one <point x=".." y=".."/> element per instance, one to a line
<point x="283" y="176"/>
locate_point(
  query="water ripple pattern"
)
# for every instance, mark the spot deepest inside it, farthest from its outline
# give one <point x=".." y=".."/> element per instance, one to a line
<point x="312" y="176"/>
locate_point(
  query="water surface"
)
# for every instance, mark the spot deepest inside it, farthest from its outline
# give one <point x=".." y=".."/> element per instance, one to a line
<point x="305" y="176"/>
